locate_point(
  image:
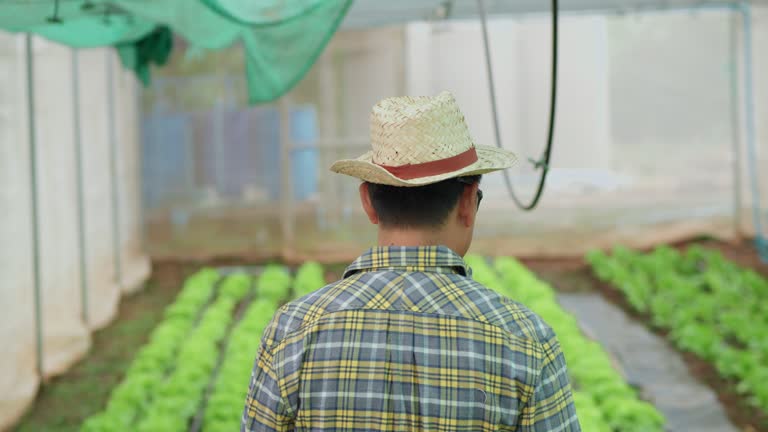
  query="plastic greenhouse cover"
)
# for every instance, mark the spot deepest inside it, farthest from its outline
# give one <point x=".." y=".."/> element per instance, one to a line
<point x="281" y="38"/>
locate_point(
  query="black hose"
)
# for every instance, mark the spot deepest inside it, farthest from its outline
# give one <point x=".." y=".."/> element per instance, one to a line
<point x="542" y="163"/>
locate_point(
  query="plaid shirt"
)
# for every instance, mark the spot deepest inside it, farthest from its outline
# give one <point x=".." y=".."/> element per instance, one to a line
<point x="408" y="341"/>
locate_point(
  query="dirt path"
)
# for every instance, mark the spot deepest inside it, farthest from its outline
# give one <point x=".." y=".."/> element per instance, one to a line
<point x="573" y="276"/>
<point x="63" y="403"/>
<point x="651" y="364"/>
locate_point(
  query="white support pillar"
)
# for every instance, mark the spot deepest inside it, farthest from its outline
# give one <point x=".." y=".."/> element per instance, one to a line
<point x="734" y="59"/>
<point x="287" y="223"/>
<point x="80" y="187"/>
<point x="113" y="171"/>
<point x="34" y="194"/>
<point x="418" y="59"/>
<point x="329" y="135"/>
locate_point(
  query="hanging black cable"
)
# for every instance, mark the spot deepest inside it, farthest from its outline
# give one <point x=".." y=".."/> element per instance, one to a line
<point x="542" y="163"/>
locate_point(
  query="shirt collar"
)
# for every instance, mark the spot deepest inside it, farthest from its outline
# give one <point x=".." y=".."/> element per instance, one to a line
<point x="409" y="258"/>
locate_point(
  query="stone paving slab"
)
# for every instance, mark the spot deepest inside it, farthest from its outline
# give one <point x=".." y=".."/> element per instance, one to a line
<point x="649" y="362"/>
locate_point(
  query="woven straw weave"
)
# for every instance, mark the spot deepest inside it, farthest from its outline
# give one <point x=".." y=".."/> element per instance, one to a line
<point x="414" y="130"/>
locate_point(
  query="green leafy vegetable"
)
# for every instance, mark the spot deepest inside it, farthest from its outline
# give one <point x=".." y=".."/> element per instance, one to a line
<point x="710" y="306"/>
<point x="604" y="401"/>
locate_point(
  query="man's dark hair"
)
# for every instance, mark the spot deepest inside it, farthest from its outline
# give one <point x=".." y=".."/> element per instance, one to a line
<point x="417" y="207"/>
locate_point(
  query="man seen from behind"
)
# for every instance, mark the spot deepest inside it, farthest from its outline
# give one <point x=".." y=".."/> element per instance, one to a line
<point x="406" y="340"/>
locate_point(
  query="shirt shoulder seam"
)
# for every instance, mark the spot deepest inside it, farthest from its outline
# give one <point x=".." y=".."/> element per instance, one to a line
<point x="276" y="345"/>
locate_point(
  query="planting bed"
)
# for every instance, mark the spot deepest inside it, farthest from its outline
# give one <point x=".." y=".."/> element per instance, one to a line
<point x="713" y="310"/>
<point x="604" y="400"/>
<point x="193" y="370"/>
<point x="192" y="374"/>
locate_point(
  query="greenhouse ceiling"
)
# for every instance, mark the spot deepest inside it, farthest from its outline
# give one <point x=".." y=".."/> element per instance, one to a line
<point x="281" y="39"/>
<point x="371" y="13"/>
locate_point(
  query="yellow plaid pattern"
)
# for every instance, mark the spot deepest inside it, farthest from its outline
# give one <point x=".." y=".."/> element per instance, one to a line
<point x="408" y="341"/>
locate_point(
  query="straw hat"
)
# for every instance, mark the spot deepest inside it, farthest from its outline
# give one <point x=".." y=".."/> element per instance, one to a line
<point x="421" y="140"/>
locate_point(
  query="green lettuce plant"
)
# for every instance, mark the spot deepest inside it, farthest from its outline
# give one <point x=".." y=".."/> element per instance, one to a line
<point x="604" y="401"/>
<point x="225" y="404"/>
<point x="709" y="305"/>
<point x="131" y="398"/>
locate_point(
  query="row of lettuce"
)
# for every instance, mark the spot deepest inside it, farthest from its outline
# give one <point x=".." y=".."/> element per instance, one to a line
<point x="198" y="359"/>
<point x="223" y="409"/>
<point x="224" y="406"/>
<point x="133" y="396"/>
<point x="604" y="401"/>
<point x="709" y="306"/>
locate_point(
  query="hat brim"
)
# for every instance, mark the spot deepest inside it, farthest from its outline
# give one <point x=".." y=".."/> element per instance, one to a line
<point x="489" y="159"/>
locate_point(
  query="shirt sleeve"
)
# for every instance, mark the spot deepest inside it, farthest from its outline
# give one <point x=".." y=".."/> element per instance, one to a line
<point x="266" y="408"/>
<point x="550" y="407"/>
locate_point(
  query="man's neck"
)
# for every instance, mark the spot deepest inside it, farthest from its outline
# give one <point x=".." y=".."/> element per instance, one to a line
<point x="413" y="237"/>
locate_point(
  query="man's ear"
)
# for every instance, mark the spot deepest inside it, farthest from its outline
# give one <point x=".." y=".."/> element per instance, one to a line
<point x="365" y="199"/>
<point x="467" y="207"/>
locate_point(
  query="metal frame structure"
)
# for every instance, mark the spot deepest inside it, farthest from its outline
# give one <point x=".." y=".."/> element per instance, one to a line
<point x="749" y="118"/>
<point x="34" y="197"/>
<point x="80" y="190"/>
<point x="363" y="14"/>
<point x="115" y="178"/>
<point x="371" y="13"/>
<point x="80" y="186"/>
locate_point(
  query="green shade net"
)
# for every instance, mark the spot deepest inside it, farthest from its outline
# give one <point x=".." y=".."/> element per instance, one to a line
<point x="281" y="38"/>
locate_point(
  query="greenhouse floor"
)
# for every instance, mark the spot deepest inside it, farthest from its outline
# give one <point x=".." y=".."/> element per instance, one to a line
<point x="575" y="281"/>
<point x="65" y="401"/>
<point x="650" y="363"/>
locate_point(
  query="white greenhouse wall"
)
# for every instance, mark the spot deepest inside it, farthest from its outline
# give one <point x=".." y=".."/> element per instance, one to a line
<point x="643" y="145"/>
<point x="66" y="335"/>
